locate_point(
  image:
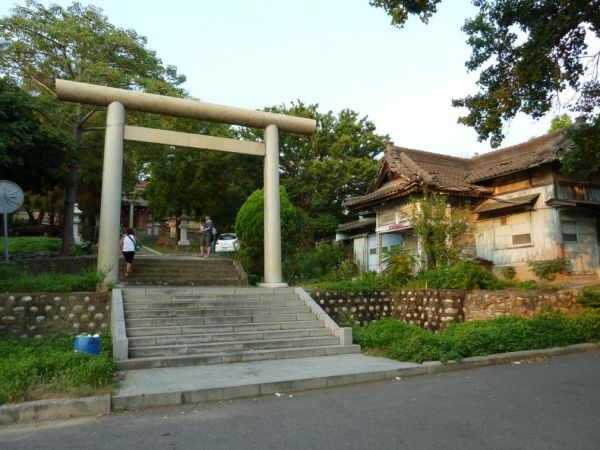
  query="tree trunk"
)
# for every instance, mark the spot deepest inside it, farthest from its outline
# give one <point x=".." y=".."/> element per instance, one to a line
<point x="68" y="240"/>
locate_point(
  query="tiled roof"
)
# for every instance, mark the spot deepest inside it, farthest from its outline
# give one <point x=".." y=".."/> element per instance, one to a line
<point x="405" y="170"/>
<point x="535" y="152"/>
<point x="365" y="222"/>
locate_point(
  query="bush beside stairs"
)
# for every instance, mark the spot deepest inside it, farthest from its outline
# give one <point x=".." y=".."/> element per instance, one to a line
<point x="178" y="326"/>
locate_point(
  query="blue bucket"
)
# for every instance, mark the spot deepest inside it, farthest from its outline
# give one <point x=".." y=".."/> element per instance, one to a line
<point x="87" y="344"/>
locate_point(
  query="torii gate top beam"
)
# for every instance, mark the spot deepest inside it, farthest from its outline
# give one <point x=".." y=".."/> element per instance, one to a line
<point x="91" y="94"/>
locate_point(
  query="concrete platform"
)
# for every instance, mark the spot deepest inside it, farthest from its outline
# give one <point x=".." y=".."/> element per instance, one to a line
<point x="178" y="385"/>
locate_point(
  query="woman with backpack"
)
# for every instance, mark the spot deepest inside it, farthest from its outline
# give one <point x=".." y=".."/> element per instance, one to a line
<point x="128" y="244"/>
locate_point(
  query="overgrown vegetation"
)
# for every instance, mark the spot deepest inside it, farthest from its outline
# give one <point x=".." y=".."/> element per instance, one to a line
<point x="13" y="279"/>
<point x="547" y="269"/>
<point x="440" y="229"/>
<point x="398" y="340"/>
<point x="590" y="297"/>
<point x="32" y="369"/>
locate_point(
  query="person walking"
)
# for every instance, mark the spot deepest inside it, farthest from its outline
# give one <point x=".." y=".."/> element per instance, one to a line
<point x="207" y="236"/>
<point x="127" y="244"/>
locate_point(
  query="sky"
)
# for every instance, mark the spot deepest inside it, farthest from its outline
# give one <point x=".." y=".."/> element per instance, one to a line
<point x="341" y="54"/>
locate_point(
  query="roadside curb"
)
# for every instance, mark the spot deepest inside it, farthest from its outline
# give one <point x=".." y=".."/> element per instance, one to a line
<point x="505" y="358"/>
<point x="61" y="409"/>
<point x="55" y="409"/>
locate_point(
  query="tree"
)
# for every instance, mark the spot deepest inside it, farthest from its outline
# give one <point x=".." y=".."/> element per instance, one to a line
<point x="199" y="181"/>
<point x="29" y="152"/>
<point x="77" y="43"/>
<point x="249" y="226"/>
<point x="440" y="229"/>
<point x="528" y="52"/>
<point x="560" y="122"/>
<point x="321" y="171"/>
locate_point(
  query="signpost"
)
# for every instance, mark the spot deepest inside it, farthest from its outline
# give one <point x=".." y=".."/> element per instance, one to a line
<point x="11" y="197"/>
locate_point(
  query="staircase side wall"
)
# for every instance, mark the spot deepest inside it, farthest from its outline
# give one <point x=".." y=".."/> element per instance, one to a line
<point x="119" y="331"/>
<point x="343" y="333"/>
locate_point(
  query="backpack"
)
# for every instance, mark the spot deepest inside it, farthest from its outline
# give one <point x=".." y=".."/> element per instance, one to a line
<point x="214" y="231"/>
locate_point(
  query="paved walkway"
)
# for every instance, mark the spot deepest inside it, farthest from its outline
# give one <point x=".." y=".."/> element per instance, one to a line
<point x="177" y="385"/>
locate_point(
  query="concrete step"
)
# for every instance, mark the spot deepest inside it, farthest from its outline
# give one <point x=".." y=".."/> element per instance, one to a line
<point x="188" y="271"/>
<point x="225" y="328"/>
<point x="207" y="303"/>
<point x="192" y="339"/>
<point x="251" y="355"/>
<point x="175" y="281"/>
<point x="206" y="312"/>
<point x="225" y="298"/>
<point x="195" y="291"/>
<point x="208" y="320"/>
<point x="230" y="347"/>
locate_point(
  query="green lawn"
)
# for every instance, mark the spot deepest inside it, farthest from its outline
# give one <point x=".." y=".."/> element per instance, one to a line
<point x="33" y="369"/>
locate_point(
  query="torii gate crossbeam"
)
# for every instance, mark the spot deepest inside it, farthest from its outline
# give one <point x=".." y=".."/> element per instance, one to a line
<point x="118" y="100"/>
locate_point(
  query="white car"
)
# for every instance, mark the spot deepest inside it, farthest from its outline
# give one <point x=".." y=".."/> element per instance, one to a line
<point x="227" y="242"/>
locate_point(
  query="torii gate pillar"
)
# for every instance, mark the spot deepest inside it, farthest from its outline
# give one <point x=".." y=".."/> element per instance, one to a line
<point x="272" y="232"/>
<point x="110" y="204"/>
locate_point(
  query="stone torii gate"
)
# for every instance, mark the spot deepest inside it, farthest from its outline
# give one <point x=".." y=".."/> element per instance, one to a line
<point x="118" y="100"/>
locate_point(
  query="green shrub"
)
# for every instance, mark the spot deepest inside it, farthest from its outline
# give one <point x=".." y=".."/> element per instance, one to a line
<point x="26" y="244"/>
<point x="590" y="298"/>
<point x="14" y="280"/>
<point x="547" y="269"/>
<point x="508" y="272"/>
<point x="399" y="263"/>
<point x="346" y="270"/>
<point x="402" y="341"/>
<point x="369" y="281"/>
<point x="28" y="366"/>
<point x="314" y="264"/>
<point x="249" y="226"/>
<point x="462" y="275"/>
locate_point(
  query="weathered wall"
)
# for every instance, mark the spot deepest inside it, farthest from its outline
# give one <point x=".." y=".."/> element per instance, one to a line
<point x="44" y="314"/>
<point x="435" y="309"/>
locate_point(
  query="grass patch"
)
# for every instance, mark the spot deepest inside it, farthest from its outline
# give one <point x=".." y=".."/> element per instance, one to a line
<point x="398" y="340"/>
<point x="33" y="244"/>
<point x="33" y="369"/>
<point x="12" y="279"/>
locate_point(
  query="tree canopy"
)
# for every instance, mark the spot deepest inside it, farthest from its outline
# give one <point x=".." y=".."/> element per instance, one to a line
<point x="77" y="43"/>
<point x="530" y="55"/>
<point x="30" y="154"/>
<point x="320" y="171"/>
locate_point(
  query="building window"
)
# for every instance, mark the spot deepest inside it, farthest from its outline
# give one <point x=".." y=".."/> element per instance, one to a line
<point x="521" y="239"/>
<point x="387" y="219"/>
<point x="569" y="232"/>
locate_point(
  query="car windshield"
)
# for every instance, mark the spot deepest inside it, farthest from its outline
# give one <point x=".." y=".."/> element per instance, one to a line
<point x="227" y="237"/>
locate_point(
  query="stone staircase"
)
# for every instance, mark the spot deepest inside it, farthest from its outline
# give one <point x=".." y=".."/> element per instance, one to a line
<point x="184" y="271"/>
<point x="177" y="326"/>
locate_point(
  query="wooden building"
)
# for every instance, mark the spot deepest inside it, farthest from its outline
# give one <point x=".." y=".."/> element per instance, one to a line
<point x="522" y="207"/>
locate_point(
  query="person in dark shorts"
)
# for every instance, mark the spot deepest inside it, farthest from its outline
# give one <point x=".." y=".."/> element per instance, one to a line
<point x="207" y="236"/>
<point x="127" y="244"/>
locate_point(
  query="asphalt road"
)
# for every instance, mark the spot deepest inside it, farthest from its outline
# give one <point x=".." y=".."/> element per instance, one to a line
<point x="536" y="404"/>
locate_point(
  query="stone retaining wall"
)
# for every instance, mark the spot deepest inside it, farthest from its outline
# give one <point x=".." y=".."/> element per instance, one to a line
<point x="489" y="304"/>
<point x="435" y="309"/>
<point x="60" y="264"/>
<point x="44" y="314"/>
